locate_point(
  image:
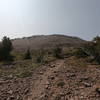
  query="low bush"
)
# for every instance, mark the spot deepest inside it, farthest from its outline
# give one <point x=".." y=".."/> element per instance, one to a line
<point x="27" y="55"/>
<point x="61" y="84"/>
<point x="40" y="57"/>
<point x="57" y="52"/>
<point x="80" y="53"/>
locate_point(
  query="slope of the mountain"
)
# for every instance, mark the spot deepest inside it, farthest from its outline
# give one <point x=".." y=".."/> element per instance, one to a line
<point x="45" y="42"/>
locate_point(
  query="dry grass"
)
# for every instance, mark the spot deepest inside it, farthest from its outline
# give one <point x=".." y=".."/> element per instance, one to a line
<point x="73" y="61"/>
<point x="22" y="68"/>
<point x="19" y="69"/>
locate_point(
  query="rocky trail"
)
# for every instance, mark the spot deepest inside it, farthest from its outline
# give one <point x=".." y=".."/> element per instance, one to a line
<point x="43" y="83"/>
<point x="54" y="81"/>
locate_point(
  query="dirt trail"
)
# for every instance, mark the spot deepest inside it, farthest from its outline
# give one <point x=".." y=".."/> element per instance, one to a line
<point x="41" y="84"/>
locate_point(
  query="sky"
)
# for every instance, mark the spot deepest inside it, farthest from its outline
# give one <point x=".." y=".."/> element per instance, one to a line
<point x="20" y="18"/>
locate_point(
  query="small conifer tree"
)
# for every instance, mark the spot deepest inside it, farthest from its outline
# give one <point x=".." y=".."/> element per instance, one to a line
<point x="57" y="52"/>
<point x="28" y="55"/>
<point x="5" y="49"/>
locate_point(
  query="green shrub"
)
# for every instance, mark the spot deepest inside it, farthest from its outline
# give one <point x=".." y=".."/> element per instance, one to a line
<point x="28" y="55"/>
<point x="5" y="49"/>
<point x="40" y="57"/>
<point x="57" y="52"/>
<point x="97" y="49"/>
<point x="91" y="49"/>
<point x="61" y="84"/>
<point x="94" y="49"/>
<point x="80" y="53"/>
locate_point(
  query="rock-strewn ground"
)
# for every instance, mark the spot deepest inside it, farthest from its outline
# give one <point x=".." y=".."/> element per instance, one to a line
<point x="62" y="82"/>
<point x="55" y="81"/>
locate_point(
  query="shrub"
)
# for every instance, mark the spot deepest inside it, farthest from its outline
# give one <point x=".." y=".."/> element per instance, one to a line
<point x="5" y="49"/>
<point x="40" y="57"/>
<point x="97" y="49"/>
<point x="57" y="52"/>
<point x="80" y="53"/>
<point x="92" y="49"/>
<point x="28" y="55"/>
<point x="61" y="84"/>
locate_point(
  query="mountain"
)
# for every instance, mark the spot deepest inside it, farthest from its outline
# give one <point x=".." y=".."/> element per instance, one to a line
<point x="45" y="42"/>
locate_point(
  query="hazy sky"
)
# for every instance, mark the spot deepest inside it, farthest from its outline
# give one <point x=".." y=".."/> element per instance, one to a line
<point x="31" y="17"/>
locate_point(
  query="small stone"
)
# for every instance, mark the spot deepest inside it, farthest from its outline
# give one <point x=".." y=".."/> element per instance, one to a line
<point x="81" y="87"/>
<point x="42" y="97"/>
<point x="52" y="66"/>
<point x="47" y="83"/>
<point x="26" y="91"/>
<point x="62" y="94"/>
<point x="81" y="97"/>
<point x="51" y="77"/>
<point x="70" y="75"/>
<point x="47" y="87"/>
<point x="98" y="90"/>
<point x="18" y="97"/>
<point x="87" y="85"/>
<point x="41" y="72"/>
<point x="84" y="78"/>
<point x="11" y="98"/>
<point x="10" y="92"/>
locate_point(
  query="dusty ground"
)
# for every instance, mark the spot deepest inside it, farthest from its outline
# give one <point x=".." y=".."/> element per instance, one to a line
<point x="55" y="81"/>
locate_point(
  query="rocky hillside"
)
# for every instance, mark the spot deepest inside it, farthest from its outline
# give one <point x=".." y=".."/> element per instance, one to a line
<point x="45" y="42"/>
<point x="58" y="80"/>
